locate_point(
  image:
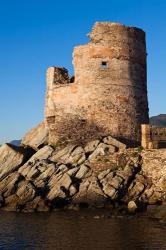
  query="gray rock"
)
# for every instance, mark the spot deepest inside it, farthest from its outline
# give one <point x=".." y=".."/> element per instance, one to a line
<point x="90" y="193"/>
<point x="131" y="206"/>
<point x="11" y="203"/>
<point x="112" y="141"/>
<point x="110" y="191"/>
<point x="103" y="174"/>
<point x="58" y="186"/>
<point x="11" y="157"/>
<point x="101" y="150"/>
<point x="76" y="157"/>
<point x="81" y="196"/>
<point x="44" y="153"/>
<point x="60" y="171"/>
<point x="63" y="155"/>
<point x="108" y="178"/>
<point x="126" y="173"/>
<point x="9" y="184"/>
<point x="147" y="194"/>
<point x="30" y="168"/>
<point x="56" y="192"/>
<point x="137" y="189"/>
<point x="91" y="146"/>
<point x="82" y="172"/>
<point x="46" y="172"/>
<point x="156" y="197"/>
<point x="38" y="172"/>
<point x="25" y="192"/>
<point x="65" y="181"/>
<point x="116" y="182"/>
<point x="72" y="172"/>
<point x="72" y="190"/>
<point x="36" y="137"/>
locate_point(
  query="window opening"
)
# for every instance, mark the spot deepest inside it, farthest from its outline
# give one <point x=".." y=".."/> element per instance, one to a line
<point x="104" y="65"/>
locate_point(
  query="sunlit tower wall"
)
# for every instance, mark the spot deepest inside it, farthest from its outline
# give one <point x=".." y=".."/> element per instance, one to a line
<point x="109" y="94"/>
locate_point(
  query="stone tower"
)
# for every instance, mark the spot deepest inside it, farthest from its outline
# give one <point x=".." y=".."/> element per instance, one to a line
<point x="109" y="93"/>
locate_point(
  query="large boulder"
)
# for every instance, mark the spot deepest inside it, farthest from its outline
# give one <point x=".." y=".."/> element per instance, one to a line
<point x="30" y="168"/>
<point x="9" y="184"/>
<point x="71" y="154"/>
<point x="114" y="142"/>
<point x="12" y="157"/>
<point x="90" y="193"/>
<point x="36" y="137"/>
<point x="132" y="206"/>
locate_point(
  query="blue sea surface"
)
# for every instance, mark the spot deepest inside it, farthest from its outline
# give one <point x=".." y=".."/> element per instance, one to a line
<point x="85" y="230"/>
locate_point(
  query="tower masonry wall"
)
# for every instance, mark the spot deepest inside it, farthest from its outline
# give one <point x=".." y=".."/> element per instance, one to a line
<point x="109" y="94"/>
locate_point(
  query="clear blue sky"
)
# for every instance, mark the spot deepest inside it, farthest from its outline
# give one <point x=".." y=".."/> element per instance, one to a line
<point x="36" y="34"/>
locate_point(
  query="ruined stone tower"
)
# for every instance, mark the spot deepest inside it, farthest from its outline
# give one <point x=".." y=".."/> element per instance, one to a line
<point x="109" y="93"/>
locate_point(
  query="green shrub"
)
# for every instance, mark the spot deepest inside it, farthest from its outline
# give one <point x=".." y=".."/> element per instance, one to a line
<point x="140" y="148"/>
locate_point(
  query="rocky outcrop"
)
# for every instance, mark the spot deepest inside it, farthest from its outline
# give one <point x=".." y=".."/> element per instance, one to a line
<point x="102" y="173"/>
<point x="37" y="137"/>
<point x="12" y="157"/>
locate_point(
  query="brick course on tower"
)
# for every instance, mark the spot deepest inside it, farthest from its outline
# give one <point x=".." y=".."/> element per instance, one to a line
<point x="109" y="93"/>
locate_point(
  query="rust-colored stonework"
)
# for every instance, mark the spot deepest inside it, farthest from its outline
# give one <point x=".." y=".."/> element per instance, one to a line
<point x="109" y="92"/>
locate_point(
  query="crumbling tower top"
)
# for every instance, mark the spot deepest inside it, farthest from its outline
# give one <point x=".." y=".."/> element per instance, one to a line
<point x="107" y="32"/>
